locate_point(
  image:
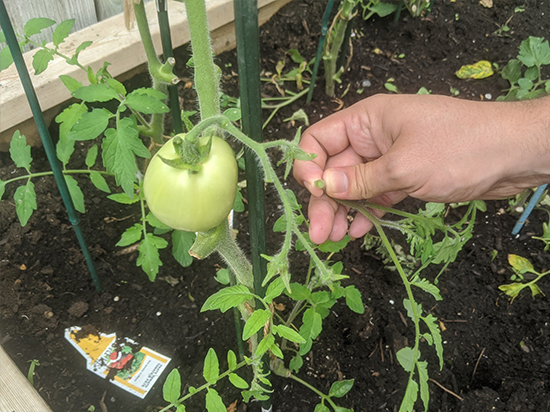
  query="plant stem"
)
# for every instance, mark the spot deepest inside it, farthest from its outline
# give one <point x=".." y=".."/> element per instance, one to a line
<point x="314" y="389"/>
<point x="50" y="173"/>
<point x="206" y="73"/>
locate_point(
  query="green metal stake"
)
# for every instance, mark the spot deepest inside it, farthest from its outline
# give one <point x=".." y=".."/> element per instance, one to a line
<point x="168" y="52"/>
<point x="248" y="57"/>
<point x="7" y="28"/>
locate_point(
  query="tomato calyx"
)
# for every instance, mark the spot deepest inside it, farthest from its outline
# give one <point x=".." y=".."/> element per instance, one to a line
<point x="191" y="154"/>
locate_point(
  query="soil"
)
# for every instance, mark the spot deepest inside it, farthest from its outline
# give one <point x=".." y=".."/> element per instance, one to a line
<point x="496" y="351"/>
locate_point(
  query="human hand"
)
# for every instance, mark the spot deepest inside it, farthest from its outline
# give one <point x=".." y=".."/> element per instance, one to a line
<point x="433" y="148"/>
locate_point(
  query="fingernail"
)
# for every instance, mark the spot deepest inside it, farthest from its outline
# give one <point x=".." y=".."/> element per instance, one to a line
<point x="336" y="181"/>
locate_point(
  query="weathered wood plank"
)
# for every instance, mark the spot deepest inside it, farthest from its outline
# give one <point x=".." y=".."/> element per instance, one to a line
<point x="112" y="43"/>
<point x="16" y="392"/>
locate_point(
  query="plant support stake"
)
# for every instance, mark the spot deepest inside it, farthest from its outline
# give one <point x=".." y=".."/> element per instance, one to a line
<point x="529" y="208"/>
<point x="7" y="28"/>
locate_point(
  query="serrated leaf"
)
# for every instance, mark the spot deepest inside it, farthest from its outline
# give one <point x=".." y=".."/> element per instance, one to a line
<point x="40" y="60"/>
<point x="274" y="290"/>
<point x="479" y="70"/>
<point x="62" y="31"/>
<point x="422" y="367"/>
<point x="435" y="331"/>
<point x="237" y="381"/>
<point x="534" y="51"/>
<point x="76" y="194"/>
<point x="116" y="86"/>
<point x="256" y="322"/>
<point x="95" y="93"/>
<point x="74" y="60"/>
<point x="340" y="388"/>
<point x="406" y="358"/>
<point x="90" y="125"/>
<point x="227" y="298"/>
<point x="214" y="402"/>
<point x="123" y="198"/>
<point x="91" y="156"/>
<point x="274" y="348"/>
<point x="289" y="334"/>
<point x="6" y="58"/>
<point x="296" y="363"/>
<point x="513" y="289"/>
<point x="512" y="71"/>
<point x="131" y="235"/>
<point x="181" y="244"/>
<point x="333" y="247"/>
<point x="428" y="287"/>
<point x="299" y="292"/>
<point x="35" y="26"/>
<point x="153" y="221"/>
<point x="120" y="147"/>
<point x="66" y="120"/>
<point x="20" y="151"/>
<point x="70" y="82"/>
<point x="408" y="305"/>
<point x="211" y="369"/>
<point x="171" y="390"/>
<point x="146" y="102"/>
<point x="264" y="345"/>
<point x="25" y="202"/>
<point x="312" y="324"/>
<point x="354" y="300"/>
<point x="149" y="259"/>
<point x="521" y="264"/>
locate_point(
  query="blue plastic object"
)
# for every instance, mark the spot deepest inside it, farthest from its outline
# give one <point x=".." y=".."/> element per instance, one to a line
<point x="529" y="208"/>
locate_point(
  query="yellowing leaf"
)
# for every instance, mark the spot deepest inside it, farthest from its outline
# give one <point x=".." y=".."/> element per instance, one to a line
<point x="486" y="3"/>
<point x="479" y="70"/>
<point x="519" y="263"/>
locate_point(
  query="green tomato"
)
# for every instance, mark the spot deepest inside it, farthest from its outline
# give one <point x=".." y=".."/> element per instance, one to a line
<point x="192" y="201"/>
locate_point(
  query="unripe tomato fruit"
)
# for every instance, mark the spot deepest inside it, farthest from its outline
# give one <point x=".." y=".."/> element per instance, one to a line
<point x="194" y="202"/>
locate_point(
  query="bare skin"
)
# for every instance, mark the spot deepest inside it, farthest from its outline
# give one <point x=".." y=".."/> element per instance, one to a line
<point x="433" y="148"/>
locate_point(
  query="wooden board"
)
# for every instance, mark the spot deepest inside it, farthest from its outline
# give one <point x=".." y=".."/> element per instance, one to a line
<point x="112" y="42"/>
<point x="16" y="392"/>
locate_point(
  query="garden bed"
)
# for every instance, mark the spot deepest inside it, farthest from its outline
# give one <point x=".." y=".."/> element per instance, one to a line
<point x="496" y="352"/>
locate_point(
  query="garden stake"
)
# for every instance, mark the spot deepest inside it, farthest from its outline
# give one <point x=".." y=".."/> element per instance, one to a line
<point x="529" y="208"/>
<point x="324" y="30"/>
<point x="248" y="54"/>
<point x="168" y="51"/>
<point x="13" y="45"/>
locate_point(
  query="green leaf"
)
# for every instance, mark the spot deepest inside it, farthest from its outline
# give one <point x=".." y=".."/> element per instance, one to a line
<point x="423" y="378"/>
<point x="264" y="345"/>
<point x="181" y="408"/>
<point x="238" y="205"/>
<point x="231" y="360"/>
<point x="257" y="321"/>
<point x="532" y="73"/>
<point x="534" y="51"/>
<point x="296" y="363"/>
<point x="340" y="388"/>
<point x="520" y="264"/>
<point x="342" y="409"/>
<point x="512" y="71"/>
<point x="61" y="32"/>
<point x="525" y="84"/>
<point x="20" y="151"/>
<point x="410" y="397"/>
<point x="214" y="402"/>
<point x="354" y="300"/>
<point x="131" y="235"/>
<point x="91" y="156"/>
<point x="312" y="324"/>
<point x="35" y="26"/>
<point x="99" y="181"/>
<point x="148" y="258"/>
<point x="333" y="247"/>
<point x="145" y="102"/>
<point x="276" y="351"/>
<point x="435" y="331"/>
<point x="383" y="9"/>
<point x="119" y="148"/>
<point x="76" y="194"/>
<point x="237" y="381"/>
<point x="479" y="70"/>
<point x="406" y="358"/>
<point x="2" y="188"/>
<point x="117" y="86"/>
<point x="222" y="276"/>
<point x="299" y="292"/>
<point x="227" y="298"/>
<point x="90" y="125"/>
<point x="321" y="408"/>
<point x="426" y="286"/>
<point x="67" y="119"/>
<point x="288" y="333"/>
<point x="6" y="58"/>
<point x="40" y="60"/>
<point x="171" y="390"/>
<point x="70" y="82"/>
<point x="233" y="114"/>
<point x="74" y="60"/>
<point x="153" y="221"/>
<point x="211" y="369"/>
<point x="181" y="244"/>
<point x="96" y="93"/>
<point x="274" y="290"/>
<point x="25" y="202"/>
<point x="123" y="198"/>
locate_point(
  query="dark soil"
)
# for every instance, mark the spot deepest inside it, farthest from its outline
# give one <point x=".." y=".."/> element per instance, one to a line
<point x="497" y="353"/>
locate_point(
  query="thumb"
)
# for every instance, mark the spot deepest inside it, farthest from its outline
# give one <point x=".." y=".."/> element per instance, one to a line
<point x="360" y="181"/>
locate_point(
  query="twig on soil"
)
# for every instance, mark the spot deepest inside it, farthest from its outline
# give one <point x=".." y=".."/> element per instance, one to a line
<point x="477" y="363"/>
<point x="447" y="390"/>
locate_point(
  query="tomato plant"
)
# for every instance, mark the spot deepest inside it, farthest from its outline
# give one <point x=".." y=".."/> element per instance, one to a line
<point x="194" y="201"/>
